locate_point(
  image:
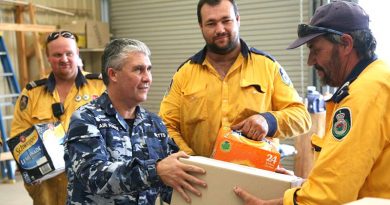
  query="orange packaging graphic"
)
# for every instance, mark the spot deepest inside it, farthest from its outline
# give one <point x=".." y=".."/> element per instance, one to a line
<point x="231" y="146"/>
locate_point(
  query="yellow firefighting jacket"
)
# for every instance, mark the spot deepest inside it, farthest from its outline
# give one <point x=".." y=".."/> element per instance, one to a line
<point x="199" y="102"/>
<point x="35" y="105"/>
<point x="354" y="159"/>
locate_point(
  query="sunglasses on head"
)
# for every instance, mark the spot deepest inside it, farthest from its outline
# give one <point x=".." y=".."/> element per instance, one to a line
<point x="66" y="34"/>
<point x="305" y="29"/>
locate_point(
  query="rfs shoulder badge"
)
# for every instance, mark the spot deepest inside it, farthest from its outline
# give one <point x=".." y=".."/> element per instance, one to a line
<point x="342" y="122"/>
<point x="23" y="102"/>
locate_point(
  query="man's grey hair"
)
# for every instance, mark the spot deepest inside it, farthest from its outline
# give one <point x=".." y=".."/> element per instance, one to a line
<point x="363" y="40"/>
<point x="116" y="52"/>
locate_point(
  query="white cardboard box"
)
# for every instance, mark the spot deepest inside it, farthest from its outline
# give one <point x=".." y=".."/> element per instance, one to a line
<point x="222" y="176"/>
<point x="370" y="201"/>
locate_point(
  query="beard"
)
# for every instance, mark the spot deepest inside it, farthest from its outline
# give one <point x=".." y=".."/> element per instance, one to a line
<point x="231" y="45"/>
<point x="325" y="79"/>
<point x="329" y="73"/>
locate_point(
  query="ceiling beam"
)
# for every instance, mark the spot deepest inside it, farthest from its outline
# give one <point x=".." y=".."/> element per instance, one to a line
<point x="27" y="27"/>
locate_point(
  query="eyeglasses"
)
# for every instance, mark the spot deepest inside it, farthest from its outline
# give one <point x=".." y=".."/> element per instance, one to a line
<point x="305" y="29"/>
<point x="66" y="34"/>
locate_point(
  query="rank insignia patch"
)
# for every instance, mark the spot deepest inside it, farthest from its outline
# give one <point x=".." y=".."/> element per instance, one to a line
<point x="342" y="122"/>
<point x="23" y="102"/>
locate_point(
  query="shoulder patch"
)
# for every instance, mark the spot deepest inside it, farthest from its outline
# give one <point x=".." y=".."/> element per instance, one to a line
<point x="36" y="83"/>
<point x="23" y="102"/>
<point x="283" y="74"/>
<point x="342" y="123"/>
<point x="260" y="52"/>
<point x="96" y="76"/>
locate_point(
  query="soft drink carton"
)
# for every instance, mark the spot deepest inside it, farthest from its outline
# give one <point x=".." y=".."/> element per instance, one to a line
<point x="232" y="146"/>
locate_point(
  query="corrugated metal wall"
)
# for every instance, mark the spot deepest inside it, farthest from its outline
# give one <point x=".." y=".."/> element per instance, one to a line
<point x="170" y="29"/>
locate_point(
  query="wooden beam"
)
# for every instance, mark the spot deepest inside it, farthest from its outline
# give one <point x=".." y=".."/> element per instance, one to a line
<point x="27" y="27"/>
<point x="21" y="41"/>
<point x="54" y="10"/>
<point x="37" y="45"/>
<point x="40" y="6"/>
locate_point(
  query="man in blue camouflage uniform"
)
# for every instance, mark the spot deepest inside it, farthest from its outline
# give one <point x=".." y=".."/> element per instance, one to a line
<point x="116" y="152"/>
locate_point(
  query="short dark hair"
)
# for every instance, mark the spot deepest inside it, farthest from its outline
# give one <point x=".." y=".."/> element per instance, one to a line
<point x="213" y="3"/>
<point x="364" y="42"/>
<point x="116" y="52"/>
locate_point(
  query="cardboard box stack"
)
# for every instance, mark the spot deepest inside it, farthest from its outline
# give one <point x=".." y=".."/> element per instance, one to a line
<point x="91" y="34"/>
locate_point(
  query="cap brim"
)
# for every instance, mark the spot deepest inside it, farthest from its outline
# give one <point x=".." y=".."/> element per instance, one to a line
<point x="303" y="40"/>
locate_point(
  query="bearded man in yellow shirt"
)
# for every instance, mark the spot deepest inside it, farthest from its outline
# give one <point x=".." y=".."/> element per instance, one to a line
<point x="229" y="84"/>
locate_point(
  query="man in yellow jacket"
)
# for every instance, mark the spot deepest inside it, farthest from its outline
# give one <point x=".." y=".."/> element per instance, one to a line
<point x="355" y="152"/>
<point x="54" y="99"/>
<point x="228" y="84"/>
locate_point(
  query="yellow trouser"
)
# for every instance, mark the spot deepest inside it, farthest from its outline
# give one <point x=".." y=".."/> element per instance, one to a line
<point x="49" y="192"/>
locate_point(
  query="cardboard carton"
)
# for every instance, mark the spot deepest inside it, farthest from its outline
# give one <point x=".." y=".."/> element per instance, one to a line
<point x="222" y="176"/>
<point x="91" y="34"/>
<point x="370" y="201"/>
<point x="38" y="151"/>
<point x="231" y="146"/>
<point x="77" y="28"/>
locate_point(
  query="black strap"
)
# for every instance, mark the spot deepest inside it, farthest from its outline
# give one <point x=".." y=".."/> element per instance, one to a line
<point x="295" y="197"/>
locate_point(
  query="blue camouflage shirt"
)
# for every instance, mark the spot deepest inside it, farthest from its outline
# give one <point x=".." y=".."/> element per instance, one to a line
<point x="107" y="165"/>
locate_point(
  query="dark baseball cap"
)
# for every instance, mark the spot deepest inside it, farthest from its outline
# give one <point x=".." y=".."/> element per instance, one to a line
<point x="337" y="17"/>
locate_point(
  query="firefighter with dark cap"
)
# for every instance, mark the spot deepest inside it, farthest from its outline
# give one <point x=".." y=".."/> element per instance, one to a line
<point x="354" y="153"/>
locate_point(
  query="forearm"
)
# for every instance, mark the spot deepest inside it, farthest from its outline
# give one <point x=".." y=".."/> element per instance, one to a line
<point x="292" y="121"/>
<point x="170" y="116"/>
<point x="181" y="143"/>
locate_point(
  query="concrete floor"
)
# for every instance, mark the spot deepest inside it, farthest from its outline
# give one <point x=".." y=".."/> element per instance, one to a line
<point x="14" y="193"/>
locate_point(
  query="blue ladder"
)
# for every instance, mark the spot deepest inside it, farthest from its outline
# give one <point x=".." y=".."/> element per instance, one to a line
<point x="7" y="100"/>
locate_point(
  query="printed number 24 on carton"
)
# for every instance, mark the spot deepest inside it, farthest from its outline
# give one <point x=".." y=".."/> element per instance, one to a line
<point x="38" y="151"/>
